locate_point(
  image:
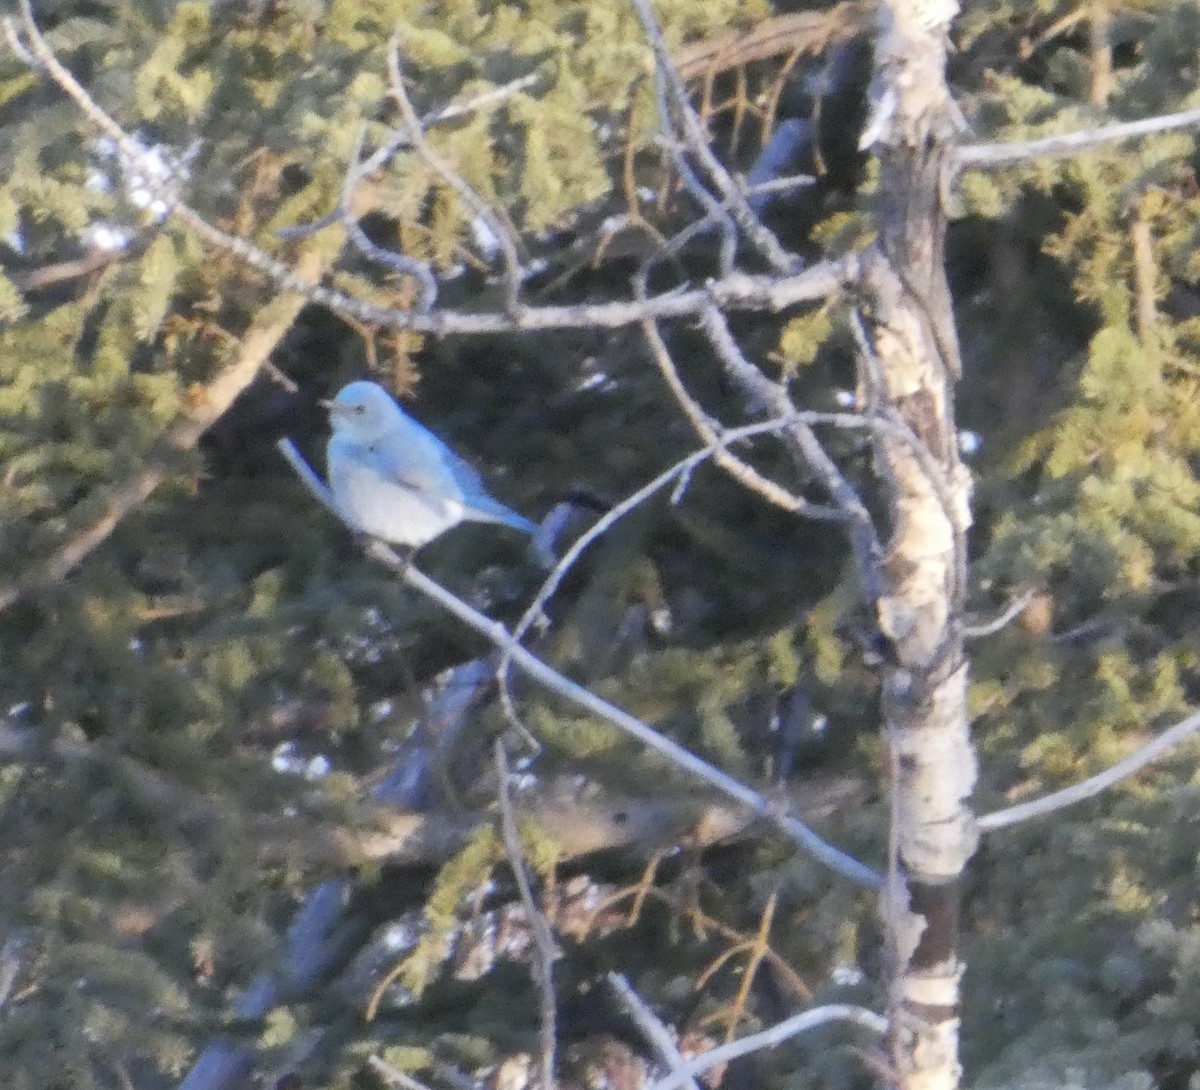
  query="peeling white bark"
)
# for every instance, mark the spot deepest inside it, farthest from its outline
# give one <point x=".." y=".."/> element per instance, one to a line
<point x="914" y="364"/>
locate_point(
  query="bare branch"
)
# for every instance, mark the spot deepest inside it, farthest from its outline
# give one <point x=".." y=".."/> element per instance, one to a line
<point x="476" y="204"/>
<point x="678" y="472"/>
<point x="1086" y="789"/>
<point x="735" y="292"/>
<point x="770" y="1038"/>
<point x="531" y="665"/>
<point x="401" y="138"/>
<point x="716" y="212"/>
<point x="677" y="242"/>
<point x="651" y="1026"/>
<point x="1013" y="609"/>
<point x="991" y="156"/>
<point x="772" y="397"/>
<point x="546" y="949"/>
<point x="762" y="239"/>
<point x="708" y="430"/>
<point x="427" y="286"/>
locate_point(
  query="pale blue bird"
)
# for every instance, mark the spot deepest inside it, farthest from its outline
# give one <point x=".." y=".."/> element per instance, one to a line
<point x="395" y="480"/>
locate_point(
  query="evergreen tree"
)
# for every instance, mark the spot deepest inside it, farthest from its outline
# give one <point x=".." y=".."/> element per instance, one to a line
<point x="187" y="636"/>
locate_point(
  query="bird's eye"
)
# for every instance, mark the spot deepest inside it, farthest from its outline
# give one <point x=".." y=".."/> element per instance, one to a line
<point x="360" y="409"/>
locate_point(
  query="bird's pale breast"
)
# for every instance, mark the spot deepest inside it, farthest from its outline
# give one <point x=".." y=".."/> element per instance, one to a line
<point x="385" y="509"/>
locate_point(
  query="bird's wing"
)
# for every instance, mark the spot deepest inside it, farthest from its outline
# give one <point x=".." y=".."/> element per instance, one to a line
<point x="418" y="462"/>
<point x="415" y="458"/>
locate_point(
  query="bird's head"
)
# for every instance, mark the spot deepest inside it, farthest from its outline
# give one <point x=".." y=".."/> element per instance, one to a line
<point x="364" y="411"/>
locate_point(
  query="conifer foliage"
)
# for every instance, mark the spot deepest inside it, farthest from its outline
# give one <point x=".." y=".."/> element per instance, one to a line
<point x="252" y="824"/>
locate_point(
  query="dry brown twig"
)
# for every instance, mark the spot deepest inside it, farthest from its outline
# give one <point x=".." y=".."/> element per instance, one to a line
<point x="810" y="32"/>
<point x="702" y="924"/>
<point x="757" y="948"/>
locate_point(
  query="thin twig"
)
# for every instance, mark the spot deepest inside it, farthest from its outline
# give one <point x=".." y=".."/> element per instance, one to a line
<point x="708" y="431"/>
<point x="681" y="472"/>
<point x="392" y="1076"/>
<point x="990" y="628"/>
<point x="716" y="212"/>
<point x="530" y="664"/>
<point x="401" y="138"/>
<point x="671" y="248"/>
<point x="1064" y="145"/>
<point x="476" y="204"/>
<point x="546" y="949"/>
<point x="427" y="286"/>
<point x="657" y="1034"/>
<point x="759" y="236"/>
<point x="770" y="1038"/>
<point x="1086" y="789"/>
<point x="810" y="452"/>
<point x="676" y="472"/>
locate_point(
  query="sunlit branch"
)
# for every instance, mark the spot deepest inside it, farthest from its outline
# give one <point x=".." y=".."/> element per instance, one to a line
<point x="253" y="350"/>
<point x="991" y="156"/>
<point x="1013" y="609"/>
<point x="656" y="1034"/>
<point x="737" y="291"/>
<point x="770" y="1038"/>
<point x="551" y="679"/>
<point x="1086" y="789"/>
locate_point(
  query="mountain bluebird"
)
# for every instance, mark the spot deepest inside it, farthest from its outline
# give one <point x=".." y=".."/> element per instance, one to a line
<point x="397" y="481"/>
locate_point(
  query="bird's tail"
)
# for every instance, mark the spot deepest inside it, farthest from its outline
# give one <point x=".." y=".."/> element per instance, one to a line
<point x="541" y="538"/>
<point x="486" y="509"/>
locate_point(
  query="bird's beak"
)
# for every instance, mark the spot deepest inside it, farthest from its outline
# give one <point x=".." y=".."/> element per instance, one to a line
<point x="325" y="403"/>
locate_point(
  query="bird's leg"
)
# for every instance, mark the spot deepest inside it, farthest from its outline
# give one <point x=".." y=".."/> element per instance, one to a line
<point x="406" y="554"/>
<point x="388" y="554"/>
